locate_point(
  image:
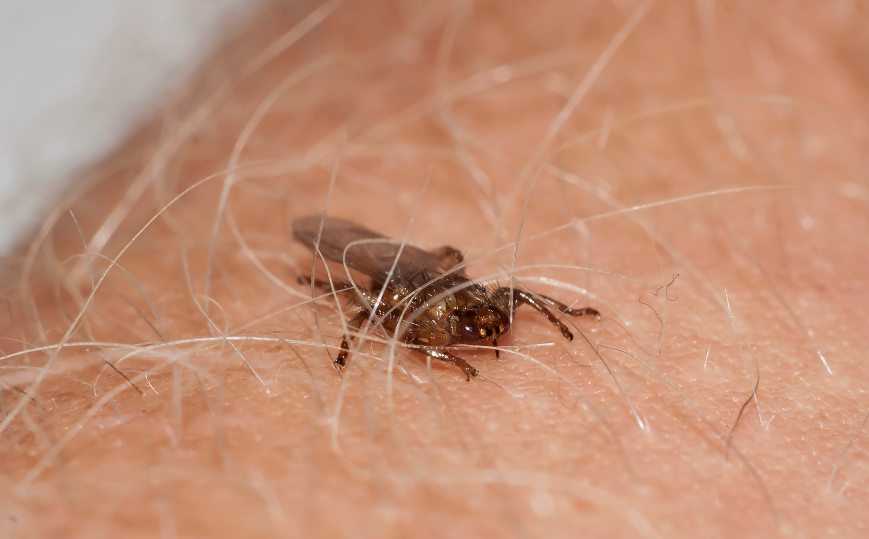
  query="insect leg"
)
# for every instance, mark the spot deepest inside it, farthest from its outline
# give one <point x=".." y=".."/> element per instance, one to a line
<point x="352" y="327"/>
<point x="321" y="284"/>
<point x="339" y="286"/>
<point x="443" y="355"/>
<point x="520" y="297"/>
<point x="587" y="311"/>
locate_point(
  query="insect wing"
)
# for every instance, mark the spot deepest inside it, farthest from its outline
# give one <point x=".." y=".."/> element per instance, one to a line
<point x="371" y="258"/>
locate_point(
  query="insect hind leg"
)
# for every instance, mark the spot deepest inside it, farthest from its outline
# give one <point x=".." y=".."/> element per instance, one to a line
<point x="323" y="285"/>
<point x="340" y="287"/>
<point x="352" y="327"/>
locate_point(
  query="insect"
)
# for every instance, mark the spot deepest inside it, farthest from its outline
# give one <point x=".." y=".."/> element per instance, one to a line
<point x="452" y="308"/>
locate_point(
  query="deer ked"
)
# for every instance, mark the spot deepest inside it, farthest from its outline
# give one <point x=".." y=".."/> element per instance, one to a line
<point x="424" y="295"/>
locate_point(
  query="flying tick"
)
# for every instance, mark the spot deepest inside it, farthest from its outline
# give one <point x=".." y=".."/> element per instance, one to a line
<point x="451" y="308"/>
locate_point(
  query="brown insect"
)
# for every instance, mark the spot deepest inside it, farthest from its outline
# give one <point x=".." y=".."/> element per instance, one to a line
<point x="448" y="307"/>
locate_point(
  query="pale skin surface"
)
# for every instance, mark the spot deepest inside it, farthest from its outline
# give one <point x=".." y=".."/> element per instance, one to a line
<point x="760" y="110"/>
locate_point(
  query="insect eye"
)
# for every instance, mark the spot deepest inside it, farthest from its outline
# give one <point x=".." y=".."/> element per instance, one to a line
<point x="469" y="328"/>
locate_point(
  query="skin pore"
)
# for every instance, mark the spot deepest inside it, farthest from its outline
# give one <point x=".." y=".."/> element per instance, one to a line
<point x="694" y="171"/>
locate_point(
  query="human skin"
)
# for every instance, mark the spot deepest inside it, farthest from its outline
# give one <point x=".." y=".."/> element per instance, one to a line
<point x="624" y="142"/>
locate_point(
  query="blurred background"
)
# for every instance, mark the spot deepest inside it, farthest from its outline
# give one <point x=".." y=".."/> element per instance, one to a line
<point x="721" y="142"/>
<point x="78" y="76"/>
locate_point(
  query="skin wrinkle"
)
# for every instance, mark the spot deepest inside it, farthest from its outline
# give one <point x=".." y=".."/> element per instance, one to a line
<point x="476" y="97"/>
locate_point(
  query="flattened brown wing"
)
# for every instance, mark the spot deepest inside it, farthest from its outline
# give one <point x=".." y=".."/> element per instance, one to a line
<point x="372" y="258"/>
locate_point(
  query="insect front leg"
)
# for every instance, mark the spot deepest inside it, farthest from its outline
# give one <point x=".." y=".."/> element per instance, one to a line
<point x="432" y="341"/>
<point x="443" y="355"/>
<point x="352" y="327"/>
<point x="501" y="295"/>
<point x="585" y="311"/>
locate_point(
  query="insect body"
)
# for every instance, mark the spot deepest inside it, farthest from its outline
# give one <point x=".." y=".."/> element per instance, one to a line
<point x="450" y="307"/>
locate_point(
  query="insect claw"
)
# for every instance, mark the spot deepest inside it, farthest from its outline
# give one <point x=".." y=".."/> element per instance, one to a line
<point x="341" y="360"/>
<point x="470" y="371"/>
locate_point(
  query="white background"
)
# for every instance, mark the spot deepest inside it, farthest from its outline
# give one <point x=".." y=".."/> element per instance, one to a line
<point x="77" y="75"/>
